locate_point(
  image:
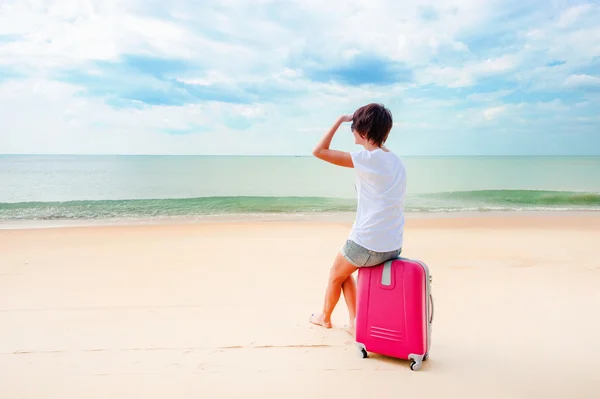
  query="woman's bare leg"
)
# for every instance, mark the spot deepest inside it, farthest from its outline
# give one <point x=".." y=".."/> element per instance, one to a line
<point x="349" y="290"/>
<point x="340" y="271"/>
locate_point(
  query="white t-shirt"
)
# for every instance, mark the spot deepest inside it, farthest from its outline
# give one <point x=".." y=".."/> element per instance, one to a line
<point x="380" y="186"/>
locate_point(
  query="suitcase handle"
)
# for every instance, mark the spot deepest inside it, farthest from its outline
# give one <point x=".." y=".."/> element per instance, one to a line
<point x="431" y="302"/>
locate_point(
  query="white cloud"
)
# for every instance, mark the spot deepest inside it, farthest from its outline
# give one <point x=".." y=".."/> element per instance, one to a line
<point x="64" y="122"/>
<point x="489" y="96"/>
<point x="266" y="51"/>
<point x="44" y="116"/>
<point x="210" y="78"/>
<point x="73" y="31"/>
<point x="582" y="80"/>
<point x="70" y="33"/>
<point x="469" y="74"/>
<point x="492" y="113"/>
<point x="573" y="39"/>
<point x="571" y="15"/>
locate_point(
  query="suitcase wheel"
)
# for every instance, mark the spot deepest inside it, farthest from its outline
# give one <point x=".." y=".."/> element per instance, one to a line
<point x="362" y="351"/>
<point x="416" y="362"/>
<point x="414" y="366"/>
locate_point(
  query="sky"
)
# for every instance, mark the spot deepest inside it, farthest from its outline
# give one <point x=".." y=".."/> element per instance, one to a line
<point x="268" y="77"/>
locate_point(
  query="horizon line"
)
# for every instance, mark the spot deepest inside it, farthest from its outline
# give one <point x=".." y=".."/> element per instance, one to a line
<point x="291" y="155"/>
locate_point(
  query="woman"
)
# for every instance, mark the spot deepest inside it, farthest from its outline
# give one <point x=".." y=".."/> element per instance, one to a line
<point x="377" y="232"/>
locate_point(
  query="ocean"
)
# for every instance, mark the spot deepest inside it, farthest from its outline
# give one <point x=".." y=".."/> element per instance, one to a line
<point x="107" y="187"/>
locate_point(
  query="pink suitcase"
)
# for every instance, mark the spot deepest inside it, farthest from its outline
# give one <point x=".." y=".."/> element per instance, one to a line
<point x="395" y="310"/>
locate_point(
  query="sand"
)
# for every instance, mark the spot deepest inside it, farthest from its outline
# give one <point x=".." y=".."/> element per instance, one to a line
<point x="220" y="310"/>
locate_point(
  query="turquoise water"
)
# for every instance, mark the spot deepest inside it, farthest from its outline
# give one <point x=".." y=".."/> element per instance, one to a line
<point x="106" y="187"/>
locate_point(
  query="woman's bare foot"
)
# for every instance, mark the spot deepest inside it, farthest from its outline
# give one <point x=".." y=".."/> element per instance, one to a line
<point x="318" y="320"/>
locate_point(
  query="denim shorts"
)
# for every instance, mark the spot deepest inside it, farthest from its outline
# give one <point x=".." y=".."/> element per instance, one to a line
<point x="360" y="256"/>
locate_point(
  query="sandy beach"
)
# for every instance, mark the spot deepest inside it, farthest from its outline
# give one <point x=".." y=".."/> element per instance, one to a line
<point x="220" y="310"/>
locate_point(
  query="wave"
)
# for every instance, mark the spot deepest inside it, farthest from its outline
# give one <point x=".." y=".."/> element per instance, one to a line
<point x="523" y="197"/>
<point x="461" y="201"/>
<point x="144" y="208"/>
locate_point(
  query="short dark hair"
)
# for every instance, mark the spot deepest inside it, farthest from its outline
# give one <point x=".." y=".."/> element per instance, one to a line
<point x="373" y="121"/>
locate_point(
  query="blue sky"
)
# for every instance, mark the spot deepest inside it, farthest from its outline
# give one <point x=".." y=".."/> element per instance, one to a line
<point x="270" y="77"/>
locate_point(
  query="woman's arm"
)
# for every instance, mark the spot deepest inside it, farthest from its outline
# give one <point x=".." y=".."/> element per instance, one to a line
<point x="335" y="157"/>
